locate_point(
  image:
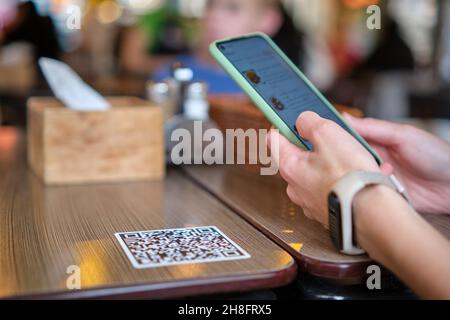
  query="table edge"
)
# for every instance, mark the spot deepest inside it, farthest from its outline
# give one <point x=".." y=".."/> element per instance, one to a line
<point x="175" y="289"/>
<point x="345" y="272"/>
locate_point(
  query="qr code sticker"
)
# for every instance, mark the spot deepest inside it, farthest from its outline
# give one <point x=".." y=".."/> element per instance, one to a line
<point x="160" y="248"/>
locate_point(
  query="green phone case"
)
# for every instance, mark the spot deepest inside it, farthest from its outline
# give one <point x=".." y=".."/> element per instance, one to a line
<point x="270" y="114"/>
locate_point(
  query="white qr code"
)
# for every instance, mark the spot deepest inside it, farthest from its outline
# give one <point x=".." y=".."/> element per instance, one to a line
<point x="159" y="248"/>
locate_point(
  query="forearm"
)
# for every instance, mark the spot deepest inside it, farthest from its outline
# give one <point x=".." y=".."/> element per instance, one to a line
<point x="396" y="236"/>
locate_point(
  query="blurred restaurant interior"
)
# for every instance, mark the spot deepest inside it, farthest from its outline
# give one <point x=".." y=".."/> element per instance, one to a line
<point x="400" y="72"/>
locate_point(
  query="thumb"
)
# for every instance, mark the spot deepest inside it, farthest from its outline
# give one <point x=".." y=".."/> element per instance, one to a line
<point x="318" y="130"/>
<point x="307" y="123"/>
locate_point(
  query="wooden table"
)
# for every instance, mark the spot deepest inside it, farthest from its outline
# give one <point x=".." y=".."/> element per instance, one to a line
<point x="262" y="201"/>
<point x="45" y="230"/>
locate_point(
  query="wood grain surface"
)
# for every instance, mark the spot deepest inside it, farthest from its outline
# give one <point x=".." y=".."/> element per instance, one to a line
<point x="262" y="201"/>
<point x="44" y="230"/>
<point x="125" y="143"/>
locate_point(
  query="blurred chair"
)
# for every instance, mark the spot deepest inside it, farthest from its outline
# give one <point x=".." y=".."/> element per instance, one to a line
<point x="18" y="76"/>
<point x="17" y="68"/>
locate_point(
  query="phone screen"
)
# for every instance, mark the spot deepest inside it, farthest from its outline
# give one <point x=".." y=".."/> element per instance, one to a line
<point x="277" y="83"/>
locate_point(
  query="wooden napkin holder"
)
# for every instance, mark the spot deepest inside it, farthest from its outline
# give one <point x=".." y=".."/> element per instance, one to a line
<point x="71" y="147"/>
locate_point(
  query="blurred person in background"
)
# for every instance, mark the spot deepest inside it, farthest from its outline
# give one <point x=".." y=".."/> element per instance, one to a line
<point x="150" y="42"/>
<point x="392" y="53"/>
<point x="385" y="73"/>
<point x="392" y="65"/>
<point x="228" y="18"/>
<point x="25" y="36"/>
<point x="20" y="22"/>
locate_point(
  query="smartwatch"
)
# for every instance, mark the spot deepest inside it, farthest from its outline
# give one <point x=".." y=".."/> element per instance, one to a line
<point x="340" y="215"/>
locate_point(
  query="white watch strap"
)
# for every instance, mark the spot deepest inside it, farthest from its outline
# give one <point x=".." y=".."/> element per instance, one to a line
<point x="346" y="189"/>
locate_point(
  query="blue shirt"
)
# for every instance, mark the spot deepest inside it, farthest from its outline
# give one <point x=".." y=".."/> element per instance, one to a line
<point x="218" y="81"/>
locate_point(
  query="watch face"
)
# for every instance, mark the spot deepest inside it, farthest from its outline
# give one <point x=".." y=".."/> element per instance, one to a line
<point x="334" y="220"/>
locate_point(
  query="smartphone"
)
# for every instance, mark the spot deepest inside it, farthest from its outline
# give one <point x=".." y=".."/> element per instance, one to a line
<point x="277" y="87"/>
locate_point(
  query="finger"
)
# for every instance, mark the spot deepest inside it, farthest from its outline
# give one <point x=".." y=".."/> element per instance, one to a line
<point x="281" y="148"/>
<point x="318" y="130"/>
<point x="387" y="169"/>
<point x="379" y="131"/>
<point x="382" y="151"/>
<point x="268" y="135"/>
<point x="307" y="214"/>
<point x="288" y="157"/>
<point x="306" y="123"/>
<point x="292" y="195"/>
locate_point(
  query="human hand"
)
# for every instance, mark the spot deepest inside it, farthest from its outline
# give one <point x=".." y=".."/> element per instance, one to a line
<point x="311" y="174"/>
<point x="420" y="160"/>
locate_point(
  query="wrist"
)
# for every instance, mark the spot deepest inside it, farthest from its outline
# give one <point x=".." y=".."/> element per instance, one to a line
<point x="367" y="196"/>
<point x="352" y="193"/>
<point x="371" y="208"/>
